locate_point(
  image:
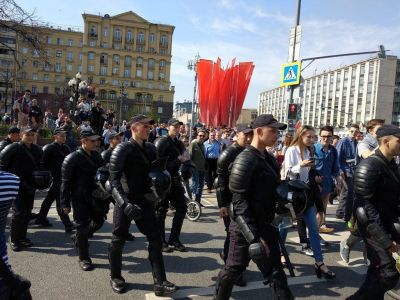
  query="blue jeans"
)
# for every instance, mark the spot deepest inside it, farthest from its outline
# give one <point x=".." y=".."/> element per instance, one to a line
<point x="313" y="232"/>
<point x="198" y="184"/>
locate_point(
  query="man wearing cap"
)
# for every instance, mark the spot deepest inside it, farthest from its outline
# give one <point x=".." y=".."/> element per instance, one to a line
<point x="12" y="137"/>
<point x="129" y="178"/>
<point x="53" y="157"/>
<point x="171" y="147"/>
<point x="198" y="157"/>
<point x="78" y="172"/>
<point x="377" y="193"/>
<point x="224" y="195"/>
<point x="22" y="159"/>
<point x="252" y="182"/>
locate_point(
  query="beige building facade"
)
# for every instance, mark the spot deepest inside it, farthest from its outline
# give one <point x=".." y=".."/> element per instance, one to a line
<point x="352" y="94"/>
<point x="123" y="57"/>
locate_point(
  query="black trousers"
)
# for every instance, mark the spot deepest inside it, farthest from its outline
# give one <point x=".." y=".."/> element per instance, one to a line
<point x="21" y="212"/>
<point x="176" y="196"/>
<point x="53" y="194"/>
<point x="87" y="220"/>
<point x="148" y="226"/>
<point x="238" y="260"/>
<point x="346" y="199"/>
<point x="382" y="274"/>
<point x="227" y="222"/>
<point x="211" y="172"/>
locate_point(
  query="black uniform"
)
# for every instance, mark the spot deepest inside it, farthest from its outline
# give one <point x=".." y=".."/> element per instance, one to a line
<point x="254" y="177"/>
<point x="129" y="168"/>
<point x="21" y="160"/>
<point x="53" y="157"/>
<point x="377" y="192"/>
<point x="78" y="175"/>
<point x="223" y="167"/>
<point x="4" y="143"/>
<point x="172" y="148"/>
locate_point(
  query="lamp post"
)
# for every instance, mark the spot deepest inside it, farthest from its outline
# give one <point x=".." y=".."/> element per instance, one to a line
<point x="121" y="101"/>
<point x="192" y="65"/>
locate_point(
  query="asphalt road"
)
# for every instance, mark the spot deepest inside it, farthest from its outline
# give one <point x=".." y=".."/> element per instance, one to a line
<point x="52" y="264"/>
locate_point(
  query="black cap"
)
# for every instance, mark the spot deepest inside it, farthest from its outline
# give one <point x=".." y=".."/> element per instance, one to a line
<point x="14" y="130"/>
<point x="114" y="134"/>
<point x="244" y="127"/>
<point x="142" y="119"/>
<point x="173" y="122"/>
<point x="268" y="120"/>
<point x="89" y="134"/>
<point x="59" y="131"/>
<point x="386" y="130"/>
<point x="27" y="129"/>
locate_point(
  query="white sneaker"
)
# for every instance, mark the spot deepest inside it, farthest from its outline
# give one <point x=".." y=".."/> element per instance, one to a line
<point x="307" y="250"/>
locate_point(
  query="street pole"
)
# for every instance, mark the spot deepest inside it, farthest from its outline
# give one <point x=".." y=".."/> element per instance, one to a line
<point x="296" y="23"/>
<point x="192" y="65"/>
<point x="121" y="89"/>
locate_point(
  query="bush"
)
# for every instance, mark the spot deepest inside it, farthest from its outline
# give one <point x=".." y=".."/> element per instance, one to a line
<point x="4" y="130"/>
<point x="45" y="133"/>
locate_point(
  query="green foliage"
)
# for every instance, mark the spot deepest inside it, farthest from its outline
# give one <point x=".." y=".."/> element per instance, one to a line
<point x="4" y="130"/>
<point x="45" y="133"/>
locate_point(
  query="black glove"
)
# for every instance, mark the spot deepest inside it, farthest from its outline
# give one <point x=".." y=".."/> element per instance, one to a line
<point x="133" y="211"/>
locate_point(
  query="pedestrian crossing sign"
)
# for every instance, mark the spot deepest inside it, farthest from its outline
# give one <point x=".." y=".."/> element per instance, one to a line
<point x="290" y="74"/>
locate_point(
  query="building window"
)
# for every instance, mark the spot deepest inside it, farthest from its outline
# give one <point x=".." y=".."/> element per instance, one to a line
<point x="58" y="53"/>
<point x="138" y="73"/>
<point x="91" y="55"/>
<point x="163" y="51"/>
<point x="115" y="82"/>
<point x="70" y="42"/>
<point x="103" y="58"/>
<point x="58" y="67"/>
<point x="147" y="109"/>
<point x="160" y="110"/>
<point x="90" y="68"/>
<point x="69" y="67"/>
<point x="24" y="62"/>
<point x="139" y="49"/>
<point x="35" y="53"/>
<point x="92" y="43"/>
<point x="161" y="76"/>
<point x="93" y="31"/>
<point x="127" y="73"/>
<point x="150" y="75"/>
<point x="152" y="50"/>
<point x="161" y="87"/>
<point x="161" y="98"/>
<point x="46" y="77"/>
<point x="80" y="56"/>
<point x="35" y="76"/>
<point x="48" y="40"/>
<point x="103" y="94"/>
<point x="150" y="85"/>
<point x="140" y="38"/>
<point x="105" y="31"/>
<point x="105" y="45"/>
<point x="138" y="84"/>
<point x="34" y="90"/>
<point x="57" y="91"/>
<point x="58" y="78"/>
<point x="129" y="36"/>
<point x="164" y="41"/>
<point x="103" y="71"/>
<point x="115" y="70"/>
<point x="152" y="38"/>
<point x="117" y="35"/>
<point x="59" y="41"/>
<point x="35" y="64"/>
<point x="113" y="95"/>
<point x="24" y="50"/>
<point x="45" y="90"/>
<point x="162" y="64"/>
<point x="139" y="62"/>
<point x="81" y="43"/>
<point x="150" y="64"/>
<point x="70" y="56"/>
<point x="116" y="59"/>
<point x="80" y="68"/>
<point x="128" y="61"/>
<point x="102" y="81"/>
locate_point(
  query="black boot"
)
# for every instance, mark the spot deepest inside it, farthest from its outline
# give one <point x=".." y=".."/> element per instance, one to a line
<point x="82" y="244"/>
<point x="165" y="288"/>
<point x="279" y="285"/>
<point x="115" y="258"/>
<point x="224" y="284"/>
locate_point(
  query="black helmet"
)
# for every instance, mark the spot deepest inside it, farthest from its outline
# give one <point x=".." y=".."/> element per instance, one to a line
<point x="160" y="178"/>
<point x="187" y="169"/>
<point x="292" y="197"/>
<point x="42" y="179"/>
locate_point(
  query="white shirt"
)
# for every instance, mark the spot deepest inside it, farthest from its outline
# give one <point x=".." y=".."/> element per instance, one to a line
<point x="292" y="163"/>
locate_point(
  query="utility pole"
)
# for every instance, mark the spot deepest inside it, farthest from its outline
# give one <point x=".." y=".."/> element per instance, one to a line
<point x="192" y="65"/>
<point x="293" y="56"/>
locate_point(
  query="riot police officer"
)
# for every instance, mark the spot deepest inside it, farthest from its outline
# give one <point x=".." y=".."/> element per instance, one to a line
<point x="114" y="140"/>
<point x="129" y="169"/>
<point x="224" y="195"/>
<point x="253" y="180"/>
<point x="171" y="147"/>
<point x="12" y="137"/>
<point x="78" y="173"/>
<point x="377" y="192"/>
<point x="53" y="157"/>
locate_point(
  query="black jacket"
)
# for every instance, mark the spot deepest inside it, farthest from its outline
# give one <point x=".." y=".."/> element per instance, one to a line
<point x="4" y="143"/>
<point x="53" y="157"/>
<point x="253" y="180"/>
<point x="78" y="176"/>
<point x="172" y="148"/>
<point x="378" y="190"/>
<point x="129" y="169"/>
<point x="15" y="159"/>
<point x="224" y="165"/>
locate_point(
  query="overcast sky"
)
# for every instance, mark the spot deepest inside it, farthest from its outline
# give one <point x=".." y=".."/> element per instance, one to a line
<point x="250" y="30"/>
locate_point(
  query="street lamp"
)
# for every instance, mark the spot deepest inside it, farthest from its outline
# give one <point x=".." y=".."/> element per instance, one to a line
<point x="121" y="100"/>
<point x="192" y="65"/>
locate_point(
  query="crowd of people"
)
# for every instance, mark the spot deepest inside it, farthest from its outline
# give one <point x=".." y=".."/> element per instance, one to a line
<point x="124" y="165"/>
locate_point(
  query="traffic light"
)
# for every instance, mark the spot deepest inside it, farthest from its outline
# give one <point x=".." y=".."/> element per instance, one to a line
<point x="292" y="114"/>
